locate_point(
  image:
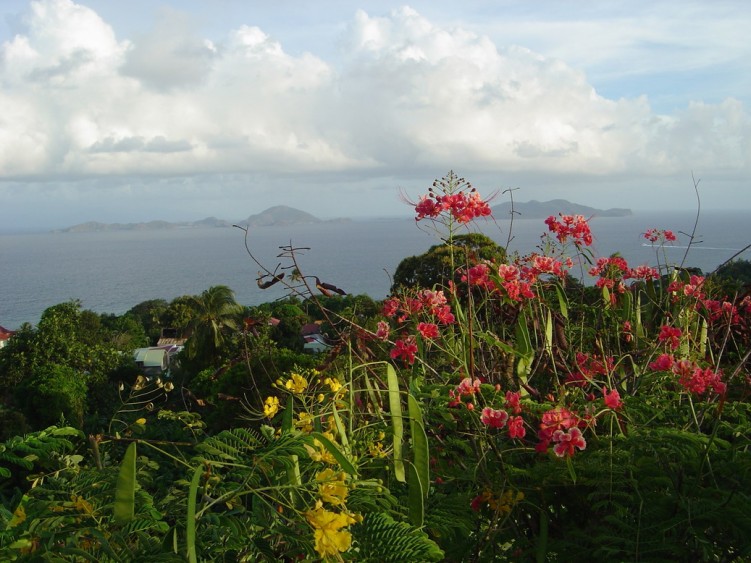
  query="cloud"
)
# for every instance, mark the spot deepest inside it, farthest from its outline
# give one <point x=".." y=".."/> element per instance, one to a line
<point x="407" y="97"/>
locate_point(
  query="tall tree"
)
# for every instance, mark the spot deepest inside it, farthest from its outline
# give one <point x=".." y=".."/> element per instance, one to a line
<point x="215" y="318"/>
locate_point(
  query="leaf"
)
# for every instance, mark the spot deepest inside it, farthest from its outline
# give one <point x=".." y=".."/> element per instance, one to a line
<point x="549" y="333"/>
<point x="345" y="463"/>
<point x="523" y="348"/>
<point x="571" y="471"/>
<point x="190" y="522"/>
<point x="125" y="492"/>
<point x="420" y="450"/>
<point x="397" y="424"/>
<point x="416" y="496"/>
<point x="562" y="301"/>
<point x="288" y="414"/>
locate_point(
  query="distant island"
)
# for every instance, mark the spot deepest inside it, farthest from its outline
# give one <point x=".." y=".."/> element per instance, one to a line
<point x="279" y="215"/>
<point x="541" y="209"/>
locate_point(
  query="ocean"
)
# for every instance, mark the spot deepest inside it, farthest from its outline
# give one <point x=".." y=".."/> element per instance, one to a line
<point x="110" y="272"/>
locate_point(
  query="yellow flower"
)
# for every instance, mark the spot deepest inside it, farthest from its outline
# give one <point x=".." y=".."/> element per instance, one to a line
<point x="376" y="449"/>
<point x="271" y="407"/>
<point x="331" y="486"/>
<point x="329" y="537"/>
<point x="320" y="453"/>
<point x="333" y="384"/>
<point x="296" y="383"/>
<point x="141" y="421"/>
<point x="304" y="422"/>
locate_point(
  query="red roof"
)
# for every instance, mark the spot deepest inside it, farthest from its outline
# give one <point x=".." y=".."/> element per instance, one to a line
<point x="5" y="334"/>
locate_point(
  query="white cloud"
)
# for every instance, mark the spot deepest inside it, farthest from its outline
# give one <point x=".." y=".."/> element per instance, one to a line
<point x="408" y="97"/>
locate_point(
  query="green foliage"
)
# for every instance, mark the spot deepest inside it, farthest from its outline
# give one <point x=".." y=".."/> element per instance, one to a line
<point x="53" y="392"/>
<point x="437" y="265"/>
<point x="380" y="538"/>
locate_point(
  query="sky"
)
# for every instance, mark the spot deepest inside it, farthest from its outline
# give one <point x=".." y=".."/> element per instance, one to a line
<point x="183" y="109"/>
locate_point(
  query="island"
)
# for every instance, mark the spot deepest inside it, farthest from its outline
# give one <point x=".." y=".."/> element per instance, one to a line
<point x="279" y="215"/>
<point x="541" y="209"/>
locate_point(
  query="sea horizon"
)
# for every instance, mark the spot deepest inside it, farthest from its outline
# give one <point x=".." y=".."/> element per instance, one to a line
<point x="112" y="271"/>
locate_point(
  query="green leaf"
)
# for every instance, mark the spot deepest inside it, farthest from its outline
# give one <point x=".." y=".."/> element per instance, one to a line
<point x="288" y="415"/>
<point x="549" y="333"/>
<point x="190" y="522"/>
<point x="397" y="424"/>
<point x="570" y="466"/>
<point x="523" y="348"/>
<point x="345" y="463"/>
<point x="125" y="492"/>
<point x="562" y="301"/>
<point x="420" y="450"/>
<point x="416" y="496"/>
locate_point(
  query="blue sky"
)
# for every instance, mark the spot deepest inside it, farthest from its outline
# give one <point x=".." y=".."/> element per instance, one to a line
<point x="177" y="110"/>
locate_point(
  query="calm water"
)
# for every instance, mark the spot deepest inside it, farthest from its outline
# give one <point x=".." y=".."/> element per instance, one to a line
<point x="111" y="272"/>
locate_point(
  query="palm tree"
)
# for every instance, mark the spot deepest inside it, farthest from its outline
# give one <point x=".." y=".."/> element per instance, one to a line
<point x="215" y="317"/>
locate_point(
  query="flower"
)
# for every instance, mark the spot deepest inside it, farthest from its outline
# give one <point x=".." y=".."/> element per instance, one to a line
<point x="428" y="330"/>
<point x="566" y="442"/>
<point x="671" y="335"/>
<point x="271" y="406"/>
<point x="330" y="539"/>
<point x="296" y="383"/>
<point x="516" y="427"/>
<point x="493" y="418"/>
<point x="405" y="349"/>
<point x="663" y="363"/>
<point x="331" y="486"/>
<point x="513" y="399"/>
<point x="612" y="399"/>
<point x="382" y="333"/>
<point x="574" y="226"/>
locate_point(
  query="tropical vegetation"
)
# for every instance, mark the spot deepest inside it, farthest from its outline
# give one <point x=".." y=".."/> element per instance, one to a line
<point x="556" y="406"/>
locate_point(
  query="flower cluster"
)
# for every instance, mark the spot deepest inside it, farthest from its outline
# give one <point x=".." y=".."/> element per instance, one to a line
<point x="589" y="367"/>
<point x="671" y="336"/>
<point x="691" y="376"/>
<point x="466" y="388"/>
<point x="663" y="236"/>
<point x="575" y="227"/>
<point x="559" y="420"/>
<point x="463" y="206"/>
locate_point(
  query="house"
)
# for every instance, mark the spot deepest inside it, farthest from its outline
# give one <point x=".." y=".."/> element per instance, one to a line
<point x="155" y="360"/>
<point x="170" y="337"/>
<point x="313" y="340"/>
<point x="5" y="335"/>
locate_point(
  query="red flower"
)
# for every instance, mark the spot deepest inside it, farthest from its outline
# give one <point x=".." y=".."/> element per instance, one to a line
<point x="663" y="363"/>
<point x="612" y="399"/>
<point x="405" y="349"/>
<point x="428" y="330"/>
<point x="670" y="335"/>
<point x="493" y="418"/>
<point x="382" y="333"/>
<point x="516" y="427"/>
<point x="513" y="401"/>
<point x="574" y="226"/>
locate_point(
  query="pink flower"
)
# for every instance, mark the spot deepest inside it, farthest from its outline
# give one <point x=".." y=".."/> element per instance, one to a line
<point x="494" y="418"/>
<point x="468" y="386"/>
<point x="405" y="349"/>
<point x="671" y="335"/>
<point x="390" y="307"/>
<point x="612" y="399"/>
<point x="513" y="401"/>
<point x="382" y="333"/>
<point x="566" y="442"/>
<point x="574" y="226"/>
<point x="428" y="331"/>
<point x="663" y="363"/>
<point x="516" y="427"/>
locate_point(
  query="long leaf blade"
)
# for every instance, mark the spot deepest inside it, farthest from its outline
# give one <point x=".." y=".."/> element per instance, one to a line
<point x="125" y="491"/>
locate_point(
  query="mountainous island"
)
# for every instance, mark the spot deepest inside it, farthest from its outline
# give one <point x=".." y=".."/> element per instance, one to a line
<point x="279" y="215"/>
<point x="542" y="209"/>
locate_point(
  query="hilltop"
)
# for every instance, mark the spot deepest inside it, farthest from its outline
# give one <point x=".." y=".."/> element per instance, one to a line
<point x="279" y="215"/>
<point x="541" y="209"/>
